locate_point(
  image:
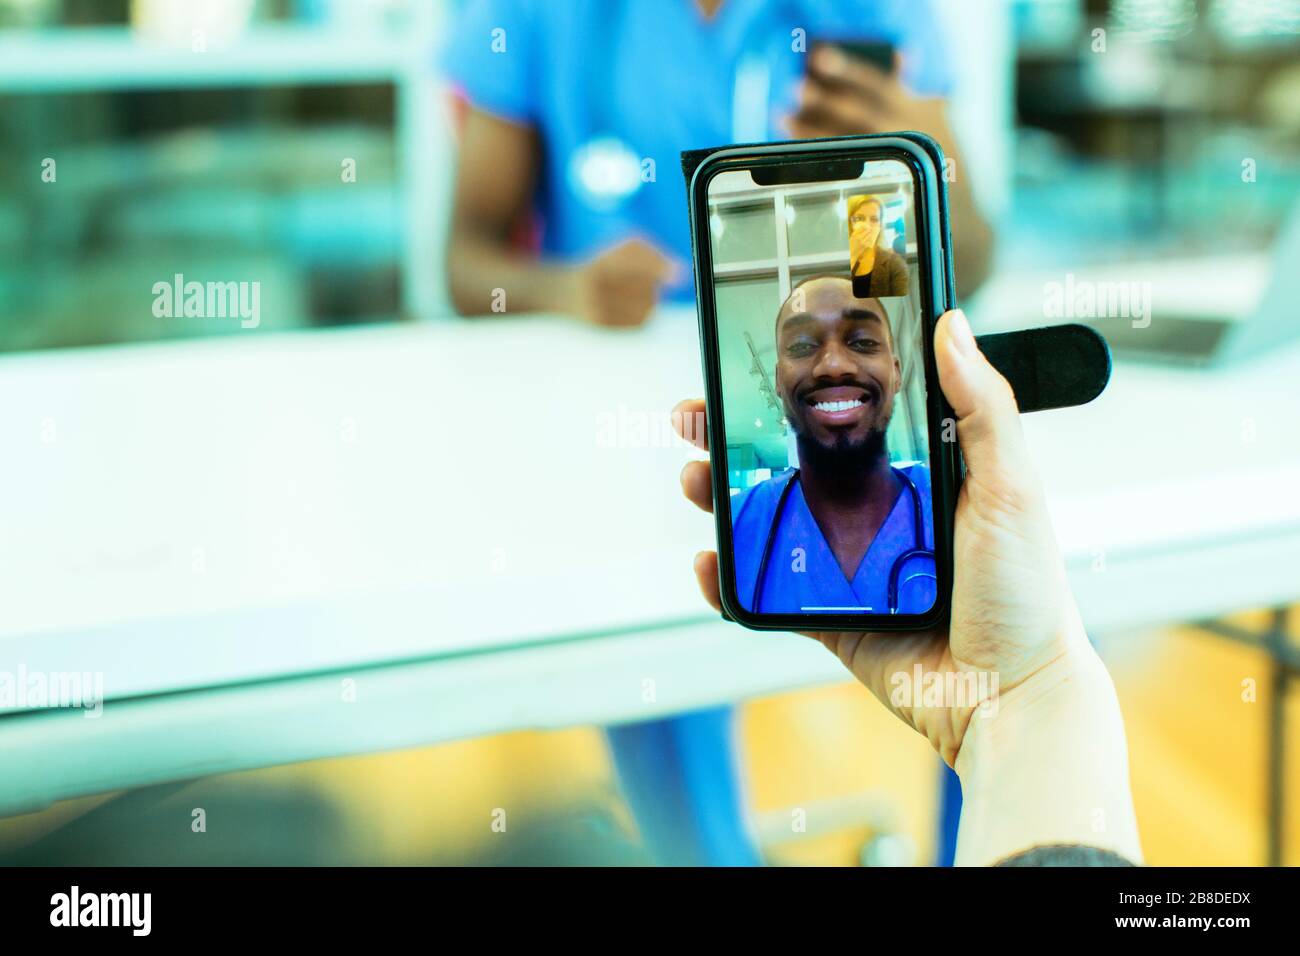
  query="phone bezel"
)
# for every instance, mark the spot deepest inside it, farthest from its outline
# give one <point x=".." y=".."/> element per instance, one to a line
<point x="924" y="159"/>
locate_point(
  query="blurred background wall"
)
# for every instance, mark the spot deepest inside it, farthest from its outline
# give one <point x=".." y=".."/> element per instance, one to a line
<point x="298" y="143"/>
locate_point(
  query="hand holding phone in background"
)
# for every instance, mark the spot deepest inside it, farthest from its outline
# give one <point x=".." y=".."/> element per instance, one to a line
<point x="848" y="89"/>
<point x="857" y="87"/>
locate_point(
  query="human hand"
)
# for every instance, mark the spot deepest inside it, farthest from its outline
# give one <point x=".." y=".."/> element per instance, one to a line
<point x="857" y="246"/>
<point x="1012" y="610"/>
<point x="620" y="286"/>
<point x="842" y="96"/>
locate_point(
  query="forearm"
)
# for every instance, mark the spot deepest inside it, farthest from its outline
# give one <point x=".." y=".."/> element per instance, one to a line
<point x="1049" y="767"/>
<point x="972" y="240"/>
<point x="488" y="278"/>
<point x="972" y="236"/>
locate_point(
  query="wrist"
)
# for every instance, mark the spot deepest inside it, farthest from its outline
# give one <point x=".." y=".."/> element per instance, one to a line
<point x="555" y="289"/>
<point x="1049" y="765"/>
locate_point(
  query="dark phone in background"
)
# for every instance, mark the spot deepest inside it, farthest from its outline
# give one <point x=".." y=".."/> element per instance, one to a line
<point x="878" y="53"/>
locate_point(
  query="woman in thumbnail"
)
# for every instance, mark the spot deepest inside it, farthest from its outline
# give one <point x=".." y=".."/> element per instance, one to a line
<point x="877" y="270"/>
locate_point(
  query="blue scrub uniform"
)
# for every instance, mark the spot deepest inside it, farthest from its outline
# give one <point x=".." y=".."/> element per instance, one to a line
<point x="803" y="574"/>
<point x="617" y="89"/>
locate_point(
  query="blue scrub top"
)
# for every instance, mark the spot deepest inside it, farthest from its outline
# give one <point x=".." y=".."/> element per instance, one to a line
<point x="612" y="84"/>
<point x="802" y="572"/>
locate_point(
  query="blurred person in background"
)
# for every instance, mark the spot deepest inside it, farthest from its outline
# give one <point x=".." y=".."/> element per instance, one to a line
<point x="569" y="199"/>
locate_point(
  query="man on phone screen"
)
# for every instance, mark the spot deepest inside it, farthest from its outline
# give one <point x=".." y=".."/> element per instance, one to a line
<point x="847" y="531"/>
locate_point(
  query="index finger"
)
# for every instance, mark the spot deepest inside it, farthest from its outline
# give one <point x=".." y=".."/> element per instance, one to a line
<point x="689" y="421"/>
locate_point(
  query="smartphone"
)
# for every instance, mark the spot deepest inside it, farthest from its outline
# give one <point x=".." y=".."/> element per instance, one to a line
<point x="821" y="267"/>
<point x="878" y="53"/>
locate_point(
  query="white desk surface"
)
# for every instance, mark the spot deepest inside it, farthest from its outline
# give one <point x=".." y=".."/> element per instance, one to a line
<point x="433" y="512"/>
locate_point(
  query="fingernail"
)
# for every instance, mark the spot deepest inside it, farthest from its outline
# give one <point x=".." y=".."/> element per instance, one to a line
<point x="960" y="333"/>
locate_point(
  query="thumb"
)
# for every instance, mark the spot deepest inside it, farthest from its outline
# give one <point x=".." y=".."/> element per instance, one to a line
<point x="988" y="420"/>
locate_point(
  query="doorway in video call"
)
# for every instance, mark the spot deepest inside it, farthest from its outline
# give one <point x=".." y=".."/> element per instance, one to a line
<point x="823" y="392"/>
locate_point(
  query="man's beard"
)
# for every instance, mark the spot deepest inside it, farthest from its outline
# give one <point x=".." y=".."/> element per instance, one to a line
<point x="846" y="458"/>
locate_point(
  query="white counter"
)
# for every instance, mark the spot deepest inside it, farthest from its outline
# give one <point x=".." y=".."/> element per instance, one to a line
<point x="479" y="524"/>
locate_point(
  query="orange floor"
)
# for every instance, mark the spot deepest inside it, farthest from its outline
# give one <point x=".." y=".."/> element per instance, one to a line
<point x="831" y="757"/>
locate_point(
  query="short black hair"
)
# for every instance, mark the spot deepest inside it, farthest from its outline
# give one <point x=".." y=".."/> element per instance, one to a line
<point x="884" y="313"/>
<point x="1065" y="854"/>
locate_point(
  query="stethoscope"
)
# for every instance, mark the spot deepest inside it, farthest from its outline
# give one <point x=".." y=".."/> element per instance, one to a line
<point x="918" y="549"/>
<point x="605" y="171"/>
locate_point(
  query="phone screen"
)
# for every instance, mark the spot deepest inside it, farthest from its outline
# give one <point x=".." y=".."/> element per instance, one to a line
<point x="821" y="366"/>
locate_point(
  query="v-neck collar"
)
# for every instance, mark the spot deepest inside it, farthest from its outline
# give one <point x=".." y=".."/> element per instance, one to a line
<point x="729" y="22"/>
<point x="851" y="583"/>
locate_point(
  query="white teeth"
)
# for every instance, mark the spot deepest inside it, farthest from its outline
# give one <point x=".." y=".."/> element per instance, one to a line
<point x="837" y="406"/>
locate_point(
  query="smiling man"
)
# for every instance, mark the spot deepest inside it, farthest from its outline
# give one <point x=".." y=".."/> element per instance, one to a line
<point x="846" y="531"/>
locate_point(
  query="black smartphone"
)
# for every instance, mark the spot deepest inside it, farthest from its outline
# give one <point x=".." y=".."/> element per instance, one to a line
<point x="878" y="53"/>
<point x="821" y="268"/>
